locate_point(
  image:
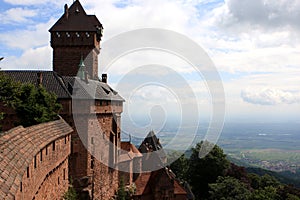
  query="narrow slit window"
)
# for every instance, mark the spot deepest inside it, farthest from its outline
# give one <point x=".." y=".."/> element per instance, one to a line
<point x="34" y="162"/>
<point x="27" y="172"/>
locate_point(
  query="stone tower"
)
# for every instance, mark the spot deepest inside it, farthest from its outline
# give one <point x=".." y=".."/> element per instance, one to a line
<point x="74" y="36"/>
<point x="75" y="39"/>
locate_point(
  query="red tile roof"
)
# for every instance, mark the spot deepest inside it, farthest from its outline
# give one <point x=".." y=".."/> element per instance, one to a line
<point x="178" y="189"/>
<point x="130" y="152"/>
<point x="141" y="183"/>
<point x="18" y="147"/>
<point x="147" y="180"/>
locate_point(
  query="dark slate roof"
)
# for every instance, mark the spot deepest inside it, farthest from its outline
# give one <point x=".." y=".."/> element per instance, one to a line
<point x="151" y="142"/>
<point x="77" y="20"/>
<point x="92" y="89"/>
<point x="50" y="80"/>
<point x="153" y="153"/>
<point x="66" y="86"/>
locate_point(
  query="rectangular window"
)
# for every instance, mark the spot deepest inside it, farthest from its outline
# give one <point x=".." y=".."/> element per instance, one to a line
<point x="41" y="155"/>
<point x="58" y="181"/>
<point x="92" y="162"/>
<point x="46" y="150"/>
<point x="21" y="186"/>
<point x="64" y="174"/>
<point x="34" y="162"/>
<point x="27" y="172"/>
<point x="53" y="146"/>
<point x="65" y="139"/>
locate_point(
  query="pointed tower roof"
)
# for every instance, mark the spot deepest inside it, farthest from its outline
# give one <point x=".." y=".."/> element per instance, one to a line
<point x="76" y="19"/>
<point x="81" y="70"/>
<point x="151" y="142"/>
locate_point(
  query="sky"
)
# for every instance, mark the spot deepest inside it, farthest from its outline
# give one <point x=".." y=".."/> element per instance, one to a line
<point x="254" y="44"/>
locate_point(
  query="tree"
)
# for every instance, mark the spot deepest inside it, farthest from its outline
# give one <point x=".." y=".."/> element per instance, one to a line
<point x="180" y="165"/>
<point x="268" y="193"/>
<point x="288" y="192"/>
<point x="254" y="181"/>
<point x="8" y="89"/>
<point x="1" y="118"/>
<point x="228" y="188"/>
<point x="239" y="173"/>
<point x="292" y="197"/>
<point x="32" y="104"/>
<point x="70" y="194"/>
<point x="267" y="180"/>
<point x="206" y="170"/>
<point x="36" y="105"/>
<point x="121" y="194"/>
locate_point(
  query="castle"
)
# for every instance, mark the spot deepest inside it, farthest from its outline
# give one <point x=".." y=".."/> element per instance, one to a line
<point x="74" y="148"/>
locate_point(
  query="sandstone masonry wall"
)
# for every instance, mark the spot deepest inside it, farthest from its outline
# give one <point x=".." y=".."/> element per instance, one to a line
<point x="34" y="161"/>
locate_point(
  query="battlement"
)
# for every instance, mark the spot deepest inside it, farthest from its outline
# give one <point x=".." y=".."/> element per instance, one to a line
<point x="74" y="38"/>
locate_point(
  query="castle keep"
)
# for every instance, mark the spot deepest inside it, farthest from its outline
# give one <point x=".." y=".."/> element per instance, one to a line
<point x="75" y="148"/>
<point x="75" y="39"/>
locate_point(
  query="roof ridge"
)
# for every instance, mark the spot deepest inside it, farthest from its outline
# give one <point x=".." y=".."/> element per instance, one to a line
<point x="60" y="80"/>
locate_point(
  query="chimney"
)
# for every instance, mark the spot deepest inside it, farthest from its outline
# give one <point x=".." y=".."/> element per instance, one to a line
<point x="39" y="78"/>
<point x="66" y="11"/>
<point x="104" y="78"/>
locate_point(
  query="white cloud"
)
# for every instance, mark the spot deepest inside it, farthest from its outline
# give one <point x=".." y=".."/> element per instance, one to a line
<point x="264" y="14"/>
<point x="33" y="36"/>
<point x="270" y="96"/>
<point x="17" y="15"/>
<point x="244" y="39"/>
<point x="31" y="59"/>
<point x="167" y="14"/>
<point x="275" y="59"/>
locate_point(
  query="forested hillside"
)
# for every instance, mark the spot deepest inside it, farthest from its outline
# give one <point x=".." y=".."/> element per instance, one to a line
<point x="215" y="177"/>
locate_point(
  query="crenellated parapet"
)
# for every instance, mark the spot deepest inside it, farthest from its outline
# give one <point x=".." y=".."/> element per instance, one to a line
<point x="74" y="38"/>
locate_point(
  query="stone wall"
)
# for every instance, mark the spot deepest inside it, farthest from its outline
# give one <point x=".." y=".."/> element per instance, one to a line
<point x="34" y="161"/>
<point x="73" y="48"/>
<point x="96" y="125"/>
<point x="55" y="184"/>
